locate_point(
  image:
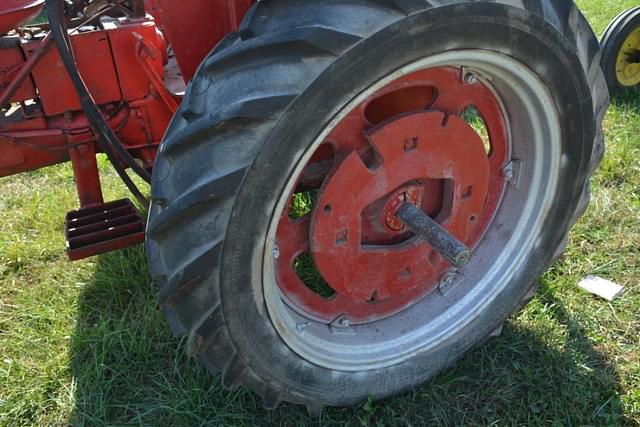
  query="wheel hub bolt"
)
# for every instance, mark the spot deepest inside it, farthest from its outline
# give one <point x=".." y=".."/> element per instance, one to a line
<point x="471" y="79"/>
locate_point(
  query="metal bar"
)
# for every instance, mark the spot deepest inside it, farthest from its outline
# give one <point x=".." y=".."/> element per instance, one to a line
<point x="107" y="246"/>
<point x="144" y="51"/>
<point x="25" y="70"/>
<point x="437" y="236"/>
<point x="99" y="229"/>
<point x="104" y="225"/>
<point x="105" y="235"/>
<point x="85" y="171"/>
<point x="107" y="207"/>
<point x="100" y="216"/>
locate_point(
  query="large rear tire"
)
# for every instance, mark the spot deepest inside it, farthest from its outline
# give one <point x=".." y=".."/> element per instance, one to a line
<point x="259" y="111"/>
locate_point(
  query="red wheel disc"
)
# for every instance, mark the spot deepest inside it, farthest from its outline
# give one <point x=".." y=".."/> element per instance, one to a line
<point x="406" y="142"/>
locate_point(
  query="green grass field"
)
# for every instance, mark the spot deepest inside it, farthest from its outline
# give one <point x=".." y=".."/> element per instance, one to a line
<point x="84" y="343"/>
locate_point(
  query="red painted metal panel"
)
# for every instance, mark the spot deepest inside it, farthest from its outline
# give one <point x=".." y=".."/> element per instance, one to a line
<point x="14" y="13"/>
<point x="95" y="62"/>
<point x="11" y="60"/>
<point x="16" y="157"/>
<point x="133" y="81"/>
<point x="194" y="27"/>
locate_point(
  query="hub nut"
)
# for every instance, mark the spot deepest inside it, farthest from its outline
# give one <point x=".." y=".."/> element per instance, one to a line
<point x="410" y="194"/>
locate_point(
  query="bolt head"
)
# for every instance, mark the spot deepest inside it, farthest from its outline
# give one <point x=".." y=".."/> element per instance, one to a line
<point x="449" y="281"/>
<point x="471" y="79"/>
<point x="507" y="171"/>
<point x="341" y="325"/>
<point x="301" y="326"/>
<point x="448" y="278"/>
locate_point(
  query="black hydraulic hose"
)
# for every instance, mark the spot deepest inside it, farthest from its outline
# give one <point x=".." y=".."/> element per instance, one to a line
<point x="107" y="139"/>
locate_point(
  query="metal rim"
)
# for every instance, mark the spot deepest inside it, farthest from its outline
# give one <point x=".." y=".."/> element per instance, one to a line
<point x="628" y="60"/>
<point x="534" y="131"/>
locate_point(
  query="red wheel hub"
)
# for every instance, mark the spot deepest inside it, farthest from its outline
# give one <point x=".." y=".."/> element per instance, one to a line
<point x="408" y="142"/>
<point x="451" y="152"/>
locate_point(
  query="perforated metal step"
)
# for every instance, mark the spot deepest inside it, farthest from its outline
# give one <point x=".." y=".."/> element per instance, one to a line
<point x="105" y="228"/>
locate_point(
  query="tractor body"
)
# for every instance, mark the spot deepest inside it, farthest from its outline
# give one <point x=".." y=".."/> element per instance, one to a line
<point x="131" y="76"/>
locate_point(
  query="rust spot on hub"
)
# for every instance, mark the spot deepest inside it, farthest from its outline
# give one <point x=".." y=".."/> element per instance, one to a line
<point x="410" y="194"/>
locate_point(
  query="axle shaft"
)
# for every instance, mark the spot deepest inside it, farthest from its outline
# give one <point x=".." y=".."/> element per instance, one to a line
<point x="437" y="236"/>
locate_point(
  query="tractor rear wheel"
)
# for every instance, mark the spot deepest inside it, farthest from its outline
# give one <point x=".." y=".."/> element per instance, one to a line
<point x="273" y="230"/>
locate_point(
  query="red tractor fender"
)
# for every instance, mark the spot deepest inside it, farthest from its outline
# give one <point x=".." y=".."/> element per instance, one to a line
<point x="194" y="27"/>
<point x="14" y="13"/>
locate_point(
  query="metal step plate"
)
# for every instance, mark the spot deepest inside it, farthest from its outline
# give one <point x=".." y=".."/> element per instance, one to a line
<point x="104" y="228"/>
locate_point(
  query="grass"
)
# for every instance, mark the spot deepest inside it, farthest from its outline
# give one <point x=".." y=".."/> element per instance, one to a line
<point x="84" y="343"/>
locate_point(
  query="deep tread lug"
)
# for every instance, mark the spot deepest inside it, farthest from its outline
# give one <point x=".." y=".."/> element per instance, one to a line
<point x="271" y="398"/>
<point x="215" y="189"/>
<point x="247" y="110"/>
<point x="233" y="373"/>
<point x="296" y="43"/>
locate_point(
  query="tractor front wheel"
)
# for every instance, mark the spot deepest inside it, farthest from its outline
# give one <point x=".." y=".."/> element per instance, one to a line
<point x="274" y="230"/>
<point x="621" y="51"/>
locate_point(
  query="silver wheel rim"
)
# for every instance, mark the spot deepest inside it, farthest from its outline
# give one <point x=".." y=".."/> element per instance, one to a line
<point x="535" y="140"/>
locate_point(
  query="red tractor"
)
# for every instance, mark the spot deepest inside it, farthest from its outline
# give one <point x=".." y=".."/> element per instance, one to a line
<point x="349" y="194"/>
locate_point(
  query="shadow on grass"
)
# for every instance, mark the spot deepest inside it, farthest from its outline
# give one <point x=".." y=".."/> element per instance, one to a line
<point x="629" y="98"/>
<point x="128" y="370"/>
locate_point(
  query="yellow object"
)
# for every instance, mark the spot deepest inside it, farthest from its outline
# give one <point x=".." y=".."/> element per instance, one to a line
<point x="628" y="61"/>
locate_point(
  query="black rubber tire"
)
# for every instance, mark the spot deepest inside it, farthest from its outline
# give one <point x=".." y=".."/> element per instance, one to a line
<point x="244" y="123"/>
<point x="612" y="40"/>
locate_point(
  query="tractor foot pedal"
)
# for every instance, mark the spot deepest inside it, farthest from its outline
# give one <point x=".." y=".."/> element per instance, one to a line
<point x="103" y="228"/>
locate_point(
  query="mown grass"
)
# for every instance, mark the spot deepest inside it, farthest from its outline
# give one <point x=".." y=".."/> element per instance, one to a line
<point x="84" y="343"/>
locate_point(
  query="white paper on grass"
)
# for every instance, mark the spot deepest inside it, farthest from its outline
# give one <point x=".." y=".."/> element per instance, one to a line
<point x="601" y="287"/>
